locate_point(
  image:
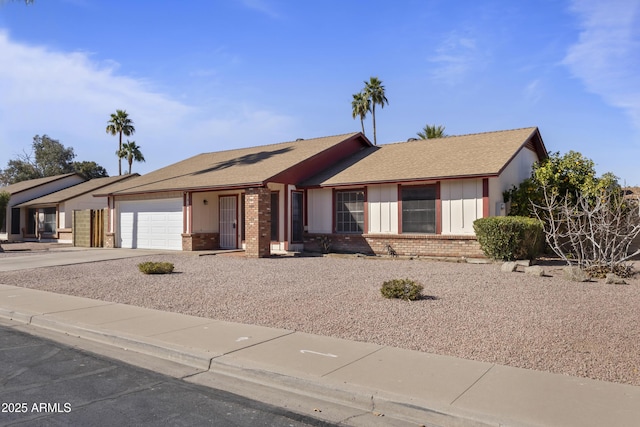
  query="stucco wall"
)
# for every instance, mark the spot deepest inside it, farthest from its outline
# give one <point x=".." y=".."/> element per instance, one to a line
<point x="320" y="215"/>
<point x="516" y="171"/>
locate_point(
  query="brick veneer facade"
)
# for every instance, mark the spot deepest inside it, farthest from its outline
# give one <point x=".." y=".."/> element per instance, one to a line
<point x="407" y="244"/>
<point x="200" y="241"/>
<point x="258" y="222"/>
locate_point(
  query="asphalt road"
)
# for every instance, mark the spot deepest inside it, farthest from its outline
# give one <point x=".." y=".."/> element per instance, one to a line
<point x="47" y="383"/>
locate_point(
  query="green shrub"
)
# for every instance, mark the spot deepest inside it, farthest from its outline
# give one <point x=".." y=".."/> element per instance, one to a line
<point x="507" y="238"/>
<point x="156" y="267"/>
<point x="402" y="289"/>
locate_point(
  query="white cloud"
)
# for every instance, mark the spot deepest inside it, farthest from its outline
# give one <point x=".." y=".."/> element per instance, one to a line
<point x="69" y="96"/>
<point x="606" y="56"/>
<point x="262" y="6"/>
<point x="455" y="58"/>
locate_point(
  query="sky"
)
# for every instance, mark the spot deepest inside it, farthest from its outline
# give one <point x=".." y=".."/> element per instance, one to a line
<point x="208" y="75"/>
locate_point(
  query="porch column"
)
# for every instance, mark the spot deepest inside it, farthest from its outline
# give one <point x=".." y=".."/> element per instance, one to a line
<point x="258" y="222"/>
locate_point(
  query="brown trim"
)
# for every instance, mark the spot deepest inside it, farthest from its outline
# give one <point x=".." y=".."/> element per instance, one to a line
<point x="413" y="181"/>
<point x="365" y="209"/>
<point x="438" y="209"/>
<point x="438" y="202"/>
<point x="365" y="224"/>
<point x="306" y="208"/>
<point x="485" y="198"/>
<point x="192" y="190"/>
<point x="303" y="212"/>
<point x="286" y="214"/>
<point x="315" y="164"/>
<point x="399" y="209"/>
<point x="278" y="217"/>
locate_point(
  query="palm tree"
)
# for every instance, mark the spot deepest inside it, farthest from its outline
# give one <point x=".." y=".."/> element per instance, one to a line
<point x="432" y="131"/>
<point x="131" y="152"/>
<point x="361" y="105"/>
<point x="374" y="91"/>
<point x="120" y="124"/>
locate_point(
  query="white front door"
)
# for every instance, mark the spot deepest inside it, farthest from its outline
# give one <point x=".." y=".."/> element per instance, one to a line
<point x="228" y="222"/>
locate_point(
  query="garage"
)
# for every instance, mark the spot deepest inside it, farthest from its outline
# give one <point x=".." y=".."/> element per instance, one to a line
<point x="151" y="224"/>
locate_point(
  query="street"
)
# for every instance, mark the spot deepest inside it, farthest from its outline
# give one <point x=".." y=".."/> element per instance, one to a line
<point x="47" y="383"/>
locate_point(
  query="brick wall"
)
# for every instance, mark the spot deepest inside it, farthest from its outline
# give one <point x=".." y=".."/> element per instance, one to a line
<point x="406" y="245"/>
<point x="258" y="222"/>
<point x="109" y="240"/>
<point x="200" y="241"/>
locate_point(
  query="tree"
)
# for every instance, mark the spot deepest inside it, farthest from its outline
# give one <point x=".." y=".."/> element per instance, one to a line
<point x="131" y="152"/>
<point x="89" y="170"/>
<point x="567" y="176"/>
<point x="432" y="131"/>
<point x="360" y="105"/>
<point x="374" y="92"/>
<point x="120" y="124"/>
<point x="47" y="158"/>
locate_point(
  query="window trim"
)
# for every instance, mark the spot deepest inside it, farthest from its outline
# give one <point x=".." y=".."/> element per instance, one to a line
<point x="365" y="210"/>
<point x="438" y="207"/>
<point x="275" y="193"/>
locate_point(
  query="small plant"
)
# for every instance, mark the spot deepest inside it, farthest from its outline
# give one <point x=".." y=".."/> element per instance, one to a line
<point x="325" y="244"/>
<point x="405" y="289"/>
<point x="150" y="267"/>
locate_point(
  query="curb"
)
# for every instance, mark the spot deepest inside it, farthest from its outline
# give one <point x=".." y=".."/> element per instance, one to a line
<point x="376" y="402"/>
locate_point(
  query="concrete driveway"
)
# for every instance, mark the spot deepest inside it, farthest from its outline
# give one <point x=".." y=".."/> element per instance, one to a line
<point x="67" y="256"/>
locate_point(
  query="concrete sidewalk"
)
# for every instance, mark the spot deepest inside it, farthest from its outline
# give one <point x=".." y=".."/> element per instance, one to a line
<point x="67" y="256"/>
<point x="408" y="386"/>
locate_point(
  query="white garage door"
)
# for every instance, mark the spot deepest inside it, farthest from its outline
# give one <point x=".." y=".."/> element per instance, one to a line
<point x="151" y="224"/>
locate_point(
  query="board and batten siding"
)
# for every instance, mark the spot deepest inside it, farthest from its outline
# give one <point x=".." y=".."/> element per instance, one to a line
<point x="383" y="208"/>
<point x="320" y="215"/>
<point x="461" y="202"/>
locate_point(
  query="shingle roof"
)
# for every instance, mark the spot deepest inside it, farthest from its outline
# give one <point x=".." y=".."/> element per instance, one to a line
<point x="240" y="167"/>
<point x="481" y="154"/>
<point x="32" y="183"/>
<point x="92" y="185"/>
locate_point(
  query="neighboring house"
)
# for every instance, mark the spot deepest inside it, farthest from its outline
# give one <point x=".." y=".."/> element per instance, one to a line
<point x="57" y="208"/>
<point x="417" y="198"/>
<point x="23" y="223"/>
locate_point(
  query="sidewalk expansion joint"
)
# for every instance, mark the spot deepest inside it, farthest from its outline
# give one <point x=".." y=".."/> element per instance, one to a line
<point x="249" y="346"/>
<point x="352" y="362"/>
<point x="472" y="384"/>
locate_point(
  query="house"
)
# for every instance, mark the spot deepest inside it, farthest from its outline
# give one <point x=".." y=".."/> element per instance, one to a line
<point x="419" y="197"/>
<point x="57" y="207"/>
<point x="416" y="198"/>
<point x="245" y="198"/>
<point x="23" y="223"/>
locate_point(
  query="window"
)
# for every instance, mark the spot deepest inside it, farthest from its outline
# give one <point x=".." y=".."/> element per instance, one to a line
<point x="419" y="209"/>
<point x="350" y="211"/>
<point x="274" y="216"/>
<point x="15" y="220"/>
<point x="49" y="224"/>
<point x="297" y="219"/>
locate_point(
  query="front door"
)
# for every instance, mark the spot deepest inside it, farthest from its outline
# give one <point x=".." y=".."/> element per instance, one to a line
<point x="228" y="222"/>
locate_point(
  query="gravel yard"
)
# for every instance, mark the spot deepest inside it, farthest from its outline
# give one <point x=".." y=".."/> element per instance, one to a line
<point x="478" y="312"/>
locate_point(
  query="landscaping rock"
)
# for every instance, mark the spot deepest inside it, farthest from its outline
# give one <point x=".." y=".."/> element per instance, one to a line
<point x="509" y="267"/>
<point x="576" y="274"/>
<point x="534" y="270"/>
<point x="523" y="262"/>
<point x="614" y="279"/>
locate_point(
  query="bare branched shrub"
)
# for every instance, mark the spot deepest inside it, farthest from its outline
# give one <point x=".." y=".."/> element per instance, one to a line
<point x="593" y="232"/>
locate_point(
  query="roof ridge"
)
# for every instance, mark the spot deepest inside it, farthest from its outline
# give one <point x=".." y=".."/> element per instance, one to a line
<point x="276" y="143"/>
<point x="466" y="134"/>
